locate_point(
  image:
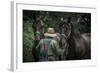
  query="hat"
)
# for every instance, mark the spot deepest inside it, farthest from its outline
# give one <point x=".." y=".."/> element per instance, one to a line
<point x="50" y="33"/>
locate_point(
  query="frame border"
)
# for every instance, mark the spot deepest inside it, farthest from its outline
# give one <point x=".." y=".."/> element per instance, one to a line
<point x="14" y="29"/>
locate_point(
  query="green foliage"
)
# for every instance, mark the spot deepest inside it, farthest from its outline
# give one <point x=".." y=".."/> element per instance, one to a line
<point x="28" y="37"/>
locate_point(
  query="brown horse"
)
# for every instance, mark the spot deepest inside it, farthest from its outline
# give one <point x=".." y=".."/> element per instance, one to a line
<point x="78" y="45"/>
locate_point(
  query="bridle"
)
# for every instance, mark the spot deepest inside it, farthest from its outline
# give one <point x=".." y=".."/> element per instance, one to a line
<point x="66" y="37"/>
<point x="39" y="29"/>
<point x="69" y="33"/>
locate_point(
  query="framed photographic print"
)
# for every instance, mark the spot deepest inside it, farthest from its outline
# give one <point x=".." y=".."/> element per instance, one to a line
<point x="52" y="36"/>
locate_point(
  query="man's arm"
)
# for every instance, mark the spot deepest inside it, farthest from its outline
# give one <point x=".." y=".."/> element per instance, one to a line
<point x="58" y="50"/>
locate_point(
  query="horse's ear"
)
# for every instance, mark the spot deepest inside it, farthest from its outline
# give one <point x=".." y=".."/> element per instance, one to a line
<point x="69" y="19"/>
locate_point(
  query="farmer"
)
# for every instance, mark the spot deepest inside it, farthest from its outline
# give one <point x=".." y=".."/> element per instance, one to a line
<point x="48" y="47"/>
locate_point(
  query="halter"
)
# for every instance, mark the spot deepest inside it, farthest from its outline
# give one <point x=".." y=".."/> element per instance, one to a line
<point x="69" y="33"/>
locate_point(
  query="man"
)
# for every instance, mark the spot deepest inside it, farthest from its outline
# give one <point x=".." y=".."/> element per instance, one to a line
<point x="48" y="48"/>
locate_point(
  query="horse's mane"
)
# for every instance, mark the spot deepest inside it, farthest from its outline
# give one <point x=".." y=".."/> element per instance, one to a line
<point x="71" y="42"/>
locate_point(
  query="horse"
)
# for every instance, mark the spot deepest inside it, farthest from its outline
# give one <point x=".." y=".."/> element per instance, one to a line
<point x="38" y="29"/>
<point x="78" y="45"/>
<point x="64" y="37"/>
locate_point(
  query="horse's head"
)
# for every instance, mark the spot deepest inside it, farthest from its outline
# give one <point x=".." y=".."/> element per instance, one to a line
<point x="65" y="26"/>
<point x="38" y="28"/>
